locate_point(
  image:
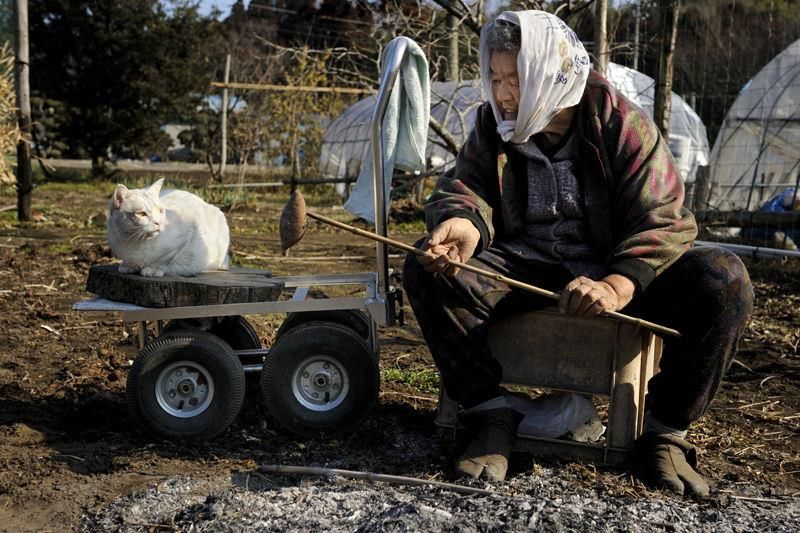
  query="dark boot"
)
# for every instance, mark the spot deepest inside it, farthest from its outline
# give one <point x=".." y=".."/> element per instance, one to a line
<point x="669" y="462"/>
<point x="493" y="434"/>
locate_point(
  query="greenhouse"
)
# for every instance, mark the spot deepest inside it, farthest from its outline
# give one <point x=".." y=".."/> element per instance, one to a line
<point x="757" y="152"/>
<point x="453" y="104"/>
<point x="346" y="140"/>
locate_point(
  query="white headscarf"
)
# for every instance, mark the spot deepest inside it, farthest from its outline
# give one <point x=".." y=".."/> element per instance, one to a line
<point x="552" y="66"/>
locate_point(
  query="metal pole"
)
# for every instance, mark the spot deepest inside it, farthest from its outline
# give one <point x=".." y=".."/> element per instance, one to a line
<point x="141" y="329"/>
<point x="22" y="82"/>
<point x="755" y="252"/>
<point x="392" y="68"/>
<point x="224" y="148"/>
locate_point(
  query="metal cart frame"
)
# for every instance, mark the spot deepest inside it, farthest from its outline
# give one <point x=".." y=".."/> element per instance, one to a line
<point x="381" y="300"/>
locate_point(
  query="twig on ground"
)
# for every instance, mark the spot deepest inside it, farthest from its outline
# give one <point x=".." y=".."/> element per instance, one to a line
<point x="50" y="329"/>
<point x="153" y="526"/>
<point x="88" y="326"/>
<point x="754" y="447"/>
<point x="370" y="476"/>
<point x="765" y="380"/>
<point x="404" y="395"/>
<point x="754" y="499"/>
<point x="50" y="287"/>
<point x="662" y="525"/>
<point x="70" y="456"/>
<point x="747" y="406"/>
<point x="737" y="362"/>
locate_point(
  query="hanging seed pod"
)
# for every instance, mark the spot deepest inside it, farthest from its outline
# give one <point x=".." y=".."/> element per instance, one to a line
<point x="293" y="222"/>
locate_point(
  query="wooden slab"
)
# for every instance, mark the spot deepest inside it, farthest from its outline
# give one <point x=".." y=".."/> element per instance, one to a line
<point x="234" y="286"/>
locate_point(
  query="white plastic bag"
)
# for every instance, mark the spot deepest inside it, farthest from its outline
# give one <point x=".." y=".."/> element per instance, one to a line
<point x="556" y="414"/>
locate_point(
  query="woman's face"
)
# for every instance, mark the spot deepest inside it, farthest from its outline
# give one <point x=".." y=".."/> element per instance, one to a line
<point x="505" y="83"/>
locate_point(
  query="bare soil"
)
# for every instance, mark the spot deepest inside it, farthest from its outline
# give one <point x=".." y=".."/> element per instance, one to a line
<point x="72" y="459"/>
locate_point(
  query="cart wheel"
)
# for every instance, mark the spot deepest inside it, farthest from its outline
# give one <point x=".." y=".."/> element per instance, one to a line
<point x="235" y="330"/>
<point x="185" y="384"/>
<point x="320" y="379"/>
<point x="356" y="320"/>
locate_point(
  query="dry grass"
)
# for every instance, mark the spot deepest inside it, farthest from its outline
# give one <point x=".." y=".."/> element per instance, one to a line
<point x="9" y="131"/>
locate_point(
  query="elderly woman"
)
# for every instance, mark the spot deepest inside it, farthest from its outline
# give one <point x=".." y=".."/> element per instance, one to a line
<point x="566" y="184"/>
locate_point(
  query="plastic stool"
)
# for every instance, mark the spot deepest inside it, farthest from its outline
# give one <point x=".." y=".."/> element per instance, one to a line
<point x="594" y="356"/>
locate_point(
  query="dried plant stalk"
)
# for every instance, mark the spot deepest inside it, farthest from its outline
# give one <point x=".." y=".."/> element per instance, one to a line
<point x="9" y="130"/>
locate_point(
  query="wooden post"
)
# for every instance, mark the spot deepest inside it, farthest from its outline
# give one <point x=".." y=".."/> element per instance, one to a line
<point x="636" y="26"/>
<point x="600" y="35"/>
<point x="668" y="13"/>
<point x="22" y="82"/>
<point x="224" y="126"/>
<point x="452" y="53"/>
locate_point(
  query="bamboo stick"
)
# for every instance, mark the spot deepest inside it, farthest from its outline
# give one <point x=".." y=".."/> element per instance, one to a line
<point x="291" y="88"/>
<point x="369" y="476"/>
<point x="499" y="277"/>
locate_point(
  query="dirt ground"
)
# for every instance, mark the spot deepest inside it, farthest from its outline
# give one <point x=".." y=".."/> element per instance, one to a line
<point x="70" y="454"/>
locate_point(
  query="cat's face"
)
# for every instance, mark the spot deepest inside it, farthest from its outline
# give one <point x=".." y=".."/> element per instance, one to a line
<point x="139" y="212"/>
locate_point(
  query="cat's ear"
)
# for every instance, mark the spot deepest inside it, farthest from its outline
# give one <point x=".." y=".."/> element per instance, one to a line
<point x="119" y="195"/>
<point x="155" y="188"/>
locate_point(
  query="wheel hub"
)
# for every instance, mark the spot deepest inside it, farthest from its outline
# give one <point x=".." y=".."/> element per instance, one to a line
<point x="320" y="383"/>
<point x="184" y="389"/>
<point x="187" y="387"/>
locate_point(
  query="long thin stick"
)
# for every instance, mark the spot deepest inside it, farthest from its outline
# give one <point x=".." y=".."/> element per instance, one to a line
<point x="369" y="476"/>
<point x="499" y="277"/>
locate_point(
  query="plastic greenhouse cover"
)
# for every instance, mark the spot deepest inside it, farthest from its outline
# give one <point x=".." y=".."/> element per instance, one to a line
<point x="757" y="152"/>
<point x="453" y="104"/>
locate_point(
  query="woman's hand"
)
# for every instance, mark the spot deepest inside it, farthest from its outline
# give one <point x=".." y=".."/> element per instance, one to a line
<point x="455" y="239"/>
<point x="586" y="297"/>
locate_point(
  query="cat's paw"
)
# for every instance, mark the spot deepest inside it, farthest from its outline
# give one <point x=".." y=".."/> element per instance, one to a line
<point x="125" y="269"/>
<point x="152" y="272"/>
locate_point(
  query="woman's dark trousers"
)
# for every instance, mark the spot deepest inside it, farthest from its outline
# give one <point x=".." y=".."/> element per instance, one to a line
<point x="706" y="295"/>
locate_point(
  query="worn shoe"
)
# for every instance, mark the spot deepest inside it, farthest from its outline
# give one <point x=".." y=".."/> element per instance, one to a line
<point x="494" y="432"/>
<point x="669" y="462"/>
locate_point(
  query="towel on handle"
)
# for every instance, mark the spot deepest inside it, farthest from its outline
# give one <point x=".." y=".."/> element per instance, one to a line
<point x="404" y="129"/>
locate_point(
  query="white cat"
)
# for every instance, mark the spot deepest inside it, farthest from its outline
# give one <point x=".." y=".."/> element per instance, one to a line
<point x="174" y="232"/>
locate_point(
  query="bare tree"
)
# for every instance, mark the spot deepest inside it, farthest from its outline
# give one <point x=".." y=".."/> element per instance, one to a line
<point x="663" y="83"/>
<point x="600" y="37"/>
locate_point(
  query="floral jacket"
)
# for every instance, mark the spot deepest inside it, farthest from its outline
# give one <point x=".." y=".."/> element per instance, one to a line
<point x="632" y="191"/>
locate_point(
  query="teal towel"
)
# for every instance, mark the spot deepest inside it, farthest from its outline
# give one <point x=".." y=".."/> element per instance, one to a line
<point x="404" y="131"/>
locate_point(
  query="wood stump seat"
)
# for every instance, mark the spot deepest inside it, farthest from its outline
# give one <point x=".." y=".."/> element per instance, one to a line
<point x="237" y="285"/>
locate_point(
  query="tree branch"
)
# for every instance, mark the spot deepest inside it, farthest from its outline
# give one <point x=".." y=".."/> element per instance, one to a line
<point x="452" y="144"/>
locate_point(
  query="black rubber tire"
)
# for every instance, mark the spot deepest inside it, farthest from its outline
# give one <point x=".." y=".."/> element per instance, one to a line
<point x="353" y="318"/>
<point x="238" y="332"/>
<point x="343" y="349"/>
<point x="199" y="349"/>
<point x="241" y="335"/>
<point x="235" y="330"/>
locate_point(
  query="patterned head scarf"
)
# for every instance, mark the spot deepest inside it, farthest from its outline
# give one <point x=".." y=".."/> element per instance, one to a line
<point x="552" y="66"/>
